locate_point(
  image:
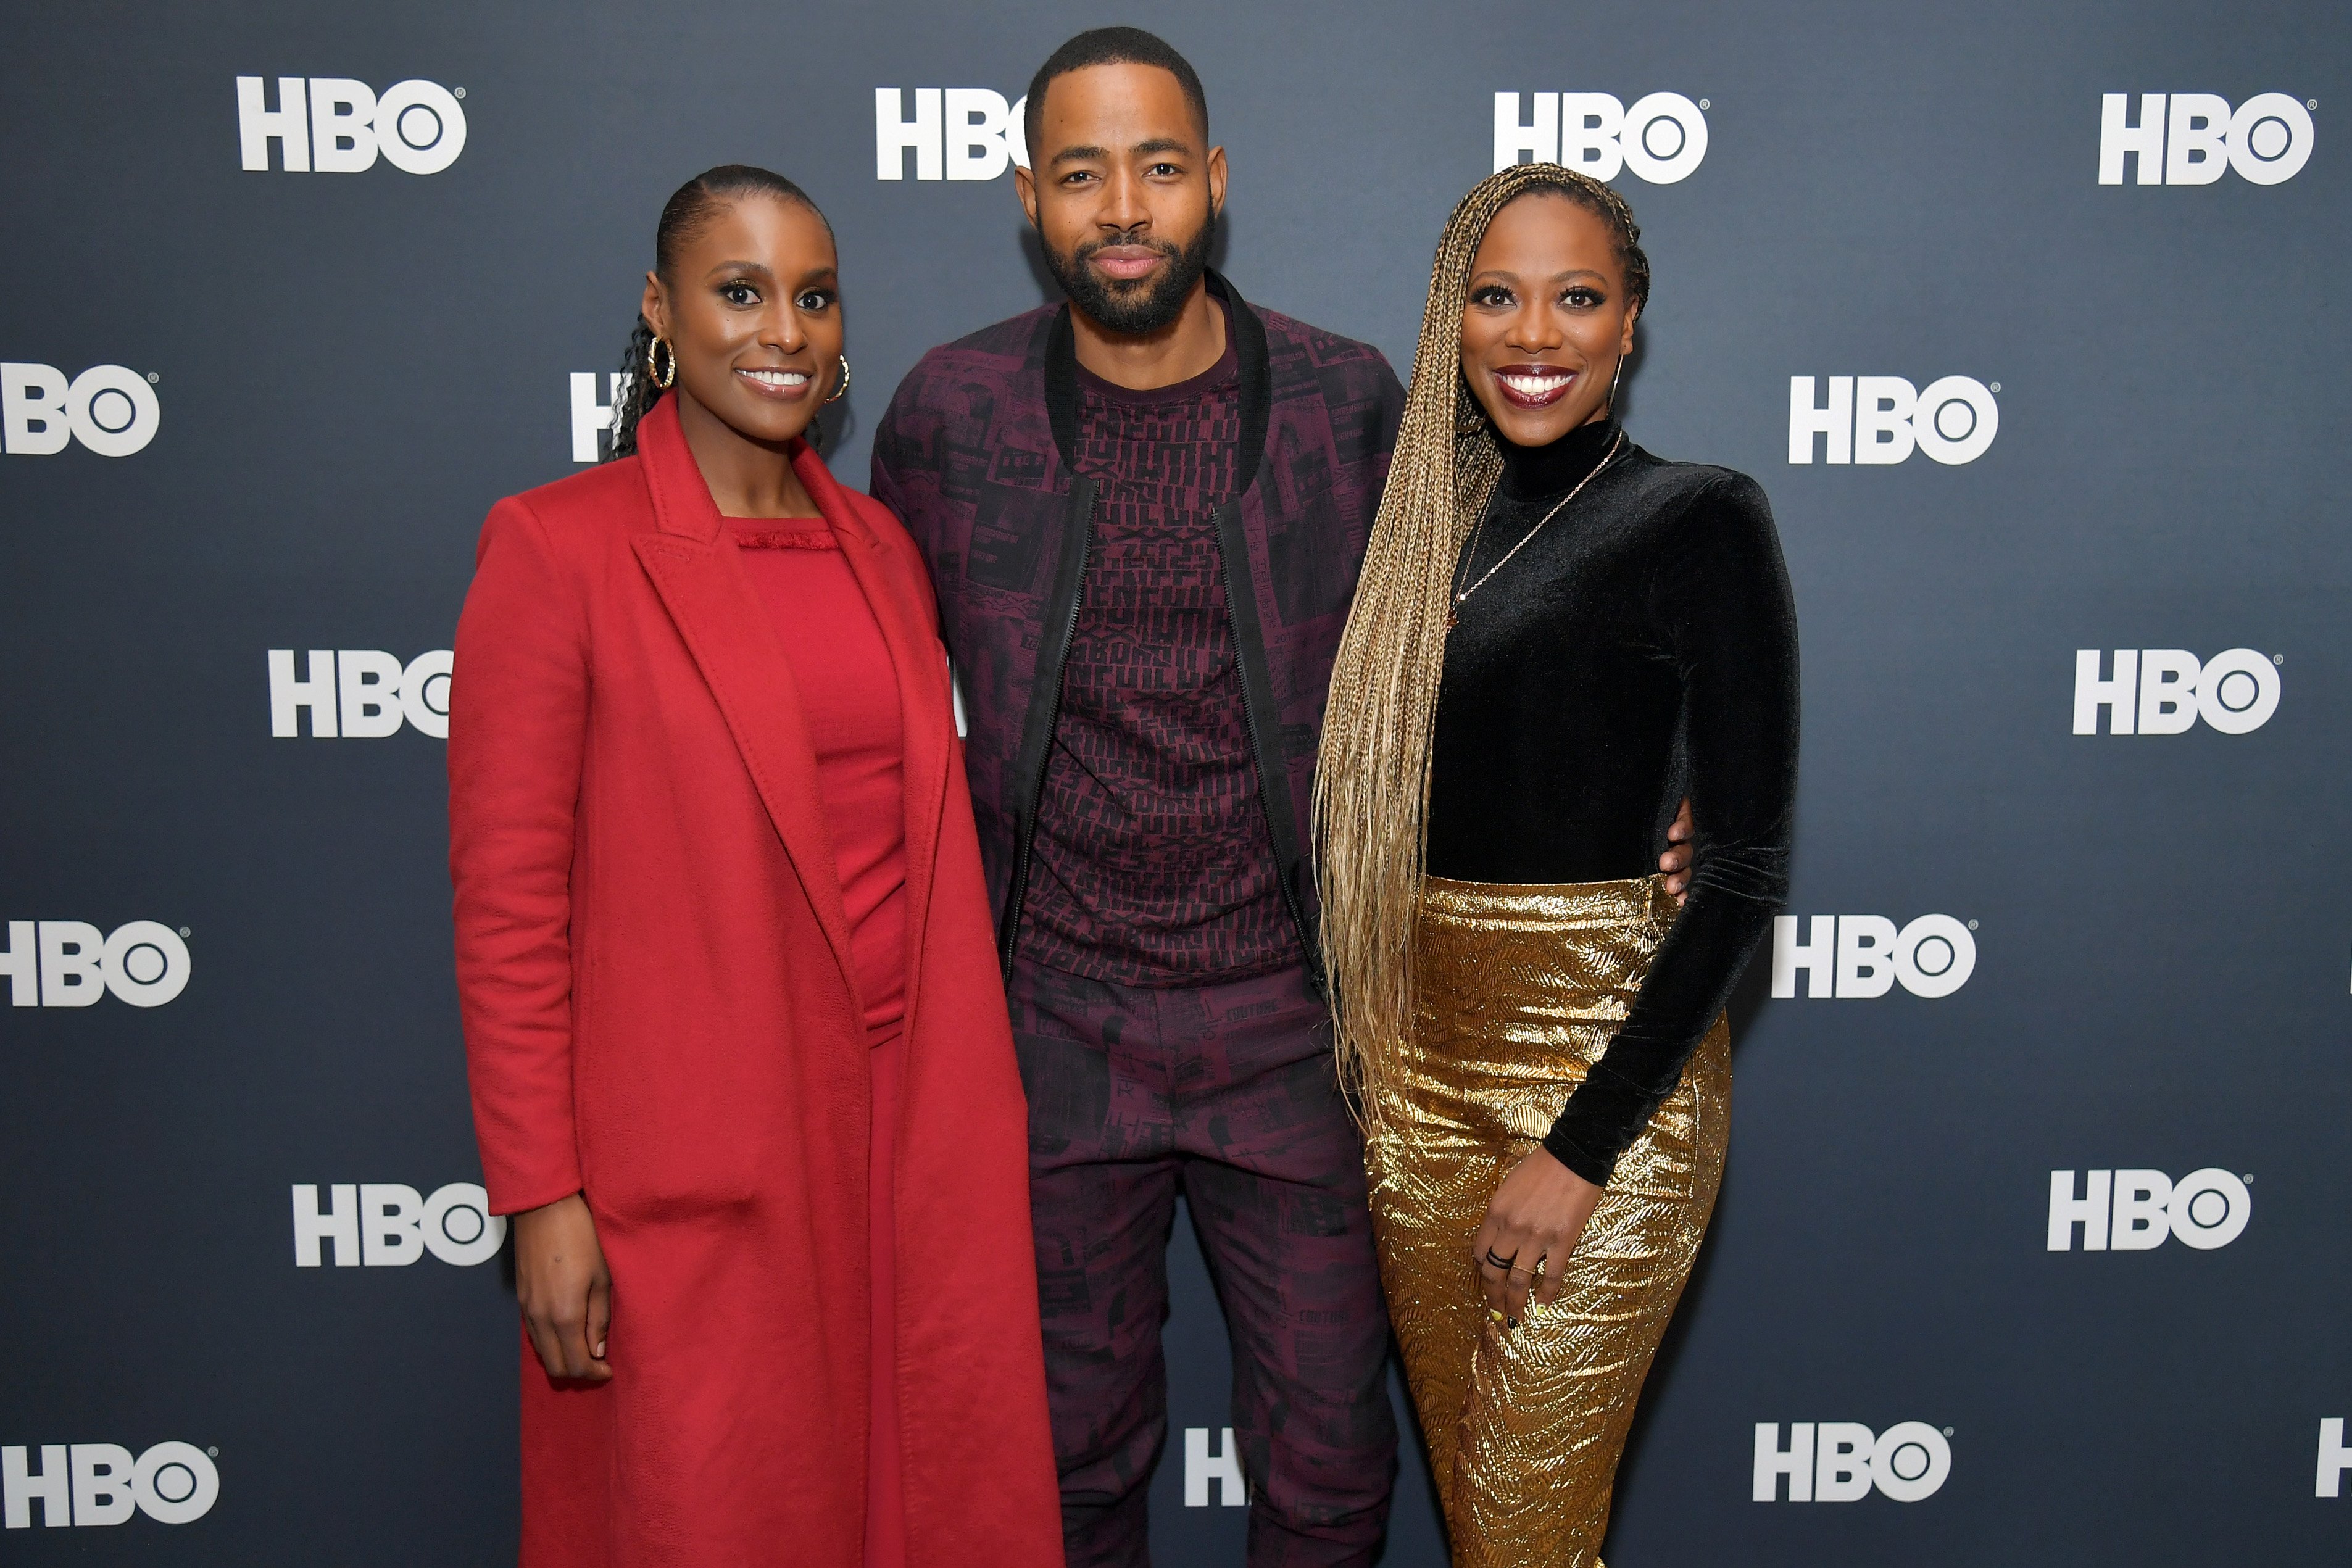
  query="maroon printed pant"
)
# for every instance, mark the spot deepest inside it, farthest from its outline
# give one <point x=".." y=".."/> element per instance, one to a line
<point x="1226" y="1094"/>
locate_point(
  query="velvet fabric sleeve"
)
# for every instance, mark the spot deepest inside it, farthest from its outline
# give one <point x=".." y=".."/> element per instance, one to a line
<point x="1719" y="599"/>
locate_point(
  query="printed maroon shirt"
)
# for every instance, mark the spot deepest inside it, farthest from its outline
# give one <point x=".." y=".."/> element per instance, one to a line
<point x="1152" y="864"/>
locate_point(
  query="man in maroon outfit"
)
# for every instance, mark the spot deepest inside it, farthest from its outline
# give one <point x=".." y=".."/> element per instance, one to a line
<point x="1143" y="514"/>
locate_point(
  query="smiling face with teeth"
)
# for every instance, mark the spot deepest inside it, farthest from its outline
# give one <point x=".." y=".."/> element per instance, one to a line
<point x="1547" y="319"/>
<point x="752" y="306"/>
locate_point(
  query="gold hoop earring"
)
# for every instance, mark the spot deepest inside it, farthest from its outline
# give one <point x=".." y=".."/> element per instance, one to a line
<point x="842" y="389"/>
<point x="662" y="377"/>
<point x="1613" y="382"/>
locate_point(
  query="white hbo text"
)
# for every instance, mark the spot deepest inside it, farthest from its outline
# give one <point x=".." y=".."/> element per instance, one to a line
<point x="390" y="1225"/>
<point x="1853" y="956"/>
<point x="1844" y="1461"/>
<point x="1662" y="138"/>
<point x="73" y="964"/>
<point x="111" y="409"/>
<point x="954" y="133"/>
<point x="2165" y="691"/>
<point x="2195" y="138"/>
<point x="1884" y="419"/>
<point x="359" y="693"/>
<point x="334" y="125"/>
<point x="2137" y="1211"/>
<point x="101" y="1483"/>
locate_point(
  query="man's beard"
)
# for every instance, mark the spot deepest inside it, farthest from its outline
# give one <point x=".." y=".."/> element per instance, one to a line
<point x="1141" y="307"/>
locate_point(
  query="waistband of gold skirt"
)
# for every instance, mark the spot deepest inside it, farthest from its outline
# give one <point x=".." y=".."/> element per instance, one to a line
<point x="1512" y="978"/>
<point x="1549" y="906"/>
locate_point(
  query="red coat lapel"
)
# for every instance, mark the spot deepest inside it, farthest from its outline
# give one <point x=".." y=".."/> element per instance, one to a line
<point x="734" y="645"/>
<point x="926" y="708"/>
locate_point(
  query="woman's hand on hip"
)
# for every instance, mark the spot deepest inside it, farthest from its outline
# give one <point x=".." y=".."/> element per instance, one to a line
<point x="1676" y="862"/>
<point x="1536" y="1216"/>
<point x="565" y="1289"/>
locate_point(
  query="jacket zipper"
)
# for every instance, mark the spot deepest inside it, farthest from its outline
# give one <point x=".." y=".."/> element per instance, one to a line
<point x="1018" y="894"/>
<point x="1257" y="763"/>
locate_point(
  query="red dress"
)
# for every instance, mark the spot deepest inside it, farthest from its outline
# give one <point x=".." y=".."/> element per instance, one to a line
<point x="664" y="1012"/>
<point x="841" y="669"/>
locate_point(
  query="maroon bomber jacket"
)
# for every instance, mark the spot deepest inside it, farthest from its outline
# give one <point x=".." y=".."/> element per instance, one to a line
<point x="974" y="456"/>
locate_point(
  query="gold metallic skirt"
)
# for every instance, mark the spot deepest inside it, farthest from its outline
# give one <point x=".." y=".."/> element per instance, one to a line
<point x="1521" y="988"/>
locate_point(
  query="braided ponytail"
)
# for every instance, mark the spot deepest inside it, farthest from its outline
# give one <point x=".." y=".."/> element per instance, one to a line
<point x="638" y="392"/>
<point x="690" y="207"/>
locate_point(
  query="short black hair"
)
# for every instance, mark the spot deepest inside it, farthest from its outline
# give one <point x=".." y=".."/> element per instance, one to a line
<point x="1113" y="46"/>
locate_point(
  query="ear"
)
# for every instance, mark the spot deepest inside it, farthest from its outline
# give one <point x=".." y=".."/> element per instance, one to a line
<point x="654" y="307"/>
<point x="1217" y="179"/>
<point x="1024" y="185"/>
<point x="1626" y="341"/>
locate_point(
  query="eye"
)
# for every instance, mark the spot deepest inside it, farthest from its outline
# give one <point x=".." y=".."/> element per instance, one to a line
<point x="816" y="299"/>
<point x="1582" y="297"/>
<point x="1076" y="176"/>
<point x="1490" y="295"/>
<point x="1163" y="171"/>
<point x="738" y="292"/>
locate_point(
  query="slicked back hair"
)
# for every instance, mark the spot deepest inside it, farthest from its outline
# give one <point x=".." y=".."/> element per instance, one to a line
<point x="690" y="209"/>
<point x="1112" y="46"/>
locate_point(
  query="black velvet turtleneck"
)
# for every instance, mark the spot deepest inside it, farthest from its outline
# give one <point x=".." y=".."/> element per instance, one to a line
<point x="1641" y="646"/>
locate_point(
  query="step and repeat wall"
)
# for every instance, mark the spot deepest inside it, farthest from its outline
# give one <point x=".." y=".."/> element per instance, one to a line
<point x="2029" y="319"/>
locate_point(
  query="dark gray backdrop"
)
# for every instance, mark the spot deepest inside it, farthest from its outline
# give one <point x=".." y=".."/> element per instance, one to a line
<point x="350" y="367"/>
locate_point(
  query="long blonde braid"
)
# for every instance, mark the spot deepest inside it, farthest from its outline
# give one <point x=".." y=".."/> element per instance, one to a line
<point x="1371" y="775"/>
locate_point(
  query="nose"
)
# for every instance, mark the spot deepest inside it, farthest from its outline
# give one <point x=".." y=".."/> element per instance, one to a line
<point x="1123" y="205"/>
<point x="781" y="328"/>
<point x="1533" y="328"/>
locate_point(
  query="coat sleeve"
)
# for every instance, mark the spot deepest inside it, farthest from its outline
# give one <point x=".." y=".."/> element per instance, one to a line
<point x="518" y="723"/>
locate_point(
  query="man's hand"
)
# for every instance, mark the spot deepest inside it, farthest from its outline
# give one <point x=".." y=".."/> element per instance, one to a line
<point x="1676" y="861"/>
<point x="564" y="1288"/>
<point x="1536" y="1216"/>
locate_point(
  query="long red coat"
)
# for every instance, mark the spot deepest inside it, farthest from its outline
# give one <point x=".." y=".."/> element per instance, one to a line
<point x="660" y="1011"/>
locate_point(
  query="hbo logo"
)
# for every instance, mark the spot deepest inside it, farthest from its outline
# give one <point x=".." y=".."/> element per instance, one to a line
<point x="1663" y="138"/>
<point x="1223" y="1467"/>
<point x="359" y="693"/>
<point x="110" y="410"/>
<point x="2133" y="1211"/>
<point x="2189" y="138"/>
<point x="957" y="133"/>
<point x="1864" y="955"/>
<point x="2335" y="1457"/>
<point x="69" y="964"/>
<point x="100" y="1483"/>
<point x="389" y="1225"/>
<point x="2165" y="691"/>
<point x="1880" y="419"/>
<point x="591" y="421"/>
<point x="337" y="126"/>
<point x="1842" y="1461"/>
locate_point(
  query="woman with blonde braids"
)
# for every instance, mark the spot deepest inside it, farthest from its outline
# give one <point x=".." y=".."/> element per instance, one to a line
<point x="1555" y="632"/>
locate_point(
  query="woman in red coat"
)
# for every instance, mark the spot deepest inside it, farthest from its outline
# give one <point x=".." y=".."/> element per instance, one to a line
<point x="739" y="1055"/>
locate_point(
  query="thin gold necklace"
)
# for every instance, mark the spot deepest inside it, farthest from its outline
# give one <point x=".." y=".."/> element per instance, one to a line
<point x="1454" y="616"/>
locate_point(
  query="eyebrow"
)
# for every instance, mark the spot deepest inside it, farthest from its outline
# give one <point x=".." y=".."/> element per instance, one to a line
<point x="1142" y="148"/>
<point x="1556" y="277"/>
<point x="752" y="266"/>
